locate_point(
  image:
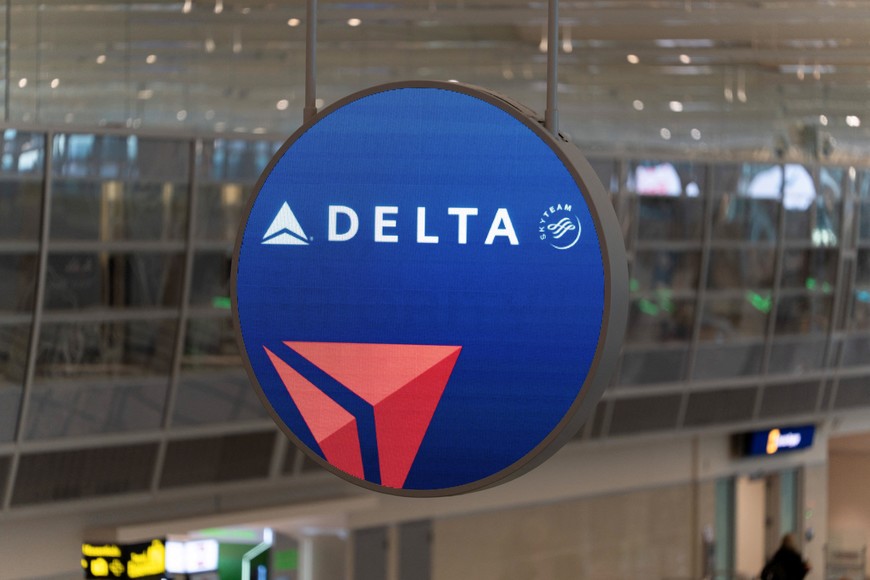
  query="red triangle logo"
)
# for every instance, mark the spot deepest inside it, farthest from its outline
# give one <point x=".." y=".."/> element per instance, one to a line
<point x="332" y="426"/>
<point x="404" y="384"/>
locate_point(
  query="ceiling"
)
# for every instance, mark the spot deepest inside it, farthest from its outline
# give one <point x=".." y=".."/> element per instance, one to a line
<point x="697" y="75"/>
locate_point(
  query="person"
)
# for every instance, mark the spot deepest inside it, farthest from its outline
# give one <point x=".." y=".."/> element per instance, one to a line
<point x="786" y="563"/>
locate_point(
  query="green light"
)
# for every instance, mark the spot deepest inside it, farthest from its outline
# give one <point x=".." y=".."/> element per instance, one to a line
<point x="634" y="285"/>
<point x="221" y="302"/>
<point x="647" y="307"/>
<point x="759" y="302"/>
<point x="811" y="283"/>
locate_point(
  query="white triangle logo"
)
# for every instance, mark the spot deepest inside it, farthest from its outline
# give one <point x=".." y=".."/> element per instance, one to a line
<point x="285" y="229"/>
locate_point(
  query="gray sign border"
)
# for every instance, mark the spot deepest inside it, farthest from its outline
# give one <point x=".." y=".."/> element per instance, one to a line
<point x="615" y="313"/>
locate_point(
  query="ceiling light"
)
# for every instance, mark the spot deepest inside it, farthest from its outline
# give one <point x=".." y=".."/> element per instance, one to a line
<point x="665" y="133"/>
<point x="188" y="6"/>
<point x="676" y="106"/>
<point x="452" y="81"/>
<point x="209" y="115"/>
<point x="145" y="94"/>
<point x="823" y="120"/>
<point x="638" y="105"/>
<point x="55" y="83"/>
<point x="853" y="121"/>
<point x="101" y="59"/>
<point x="218" y="6"/>
<point x="685" y="59"/>
<point x="220" y="126"/>
<point x="632" y="58"/>
<point x="151" y="58"/>
<point x="209" y="45"/>
<point x="318" y="103"/>
<point x="259" y="130"/>
<point x="696" y="134"/>
<point x="353" y="22"/>
<point x="181" y="115"/>
<point x="294" y="22"/>
<point x="507" y="73"/>
<point x="22" y="83"/>
<point x="69" y="117"/>
<point x="282" y="105"/>
<point x="246" y="10"/>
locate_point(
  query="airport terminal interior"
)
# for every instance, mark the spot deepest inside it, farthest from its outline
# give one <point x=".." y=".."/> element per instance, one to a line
<point x="733" y="137"/>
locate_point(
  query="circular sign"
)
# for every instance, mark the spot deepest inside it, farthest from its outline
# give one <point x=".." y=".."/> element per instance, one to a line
<point x="430" y="289"/>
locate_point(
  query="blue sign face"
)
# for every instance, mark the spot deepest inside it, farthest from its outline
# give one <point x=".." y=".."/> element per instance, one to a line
<point x="425" y="285"/>
<point x="779" y="440"/>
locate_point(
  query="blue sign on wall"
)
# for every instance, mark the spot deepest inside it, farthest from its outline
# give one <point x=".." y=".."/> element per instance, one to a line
<point x="430" y="289"/>
<point x="779" y="440"/>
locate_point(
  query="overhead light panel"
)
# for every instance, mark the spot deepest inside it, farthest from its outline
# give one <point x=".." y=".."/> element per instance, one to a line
<point x="293" y="22"/>
<point x="632" y="58"/>
<point x="638" y="105"/>
<point x="676" y="106"/>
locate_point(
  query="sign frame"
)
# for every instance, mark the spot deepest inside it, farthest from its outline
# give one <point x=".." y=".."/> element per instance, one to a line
<point x="616" y="289"/>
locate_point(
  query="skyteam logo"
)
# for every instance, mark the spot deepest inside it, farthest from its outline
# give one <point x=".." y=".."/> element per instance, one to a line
<point x="387" y="287"/>
<point x="560" y="227"/>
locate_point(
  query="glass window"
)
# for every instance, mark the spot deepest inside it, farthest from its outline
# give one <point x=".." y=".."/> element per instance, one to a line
<point x="23" y="155"/>
<point x="17" y="282"/>
<point x="815" y="270"/>
<point x="213" y="387"/>
<point x="673" y="270"/>
<point x="650" y="366"/>
<point x="856" y="350"/>
<point x="235" y="160"/>
<point x="810" y="213"/>
<point x="803" y="314"/>
<point x="605" y="169"/>
<point x="216" y="396"/>
<point x="717" y="361"/>
<point x="219" y="210"/>
<point x="10" y="401"/>
<point x="746" y="268"/>
<point x="863" y="187"/>
<point x="747" y="202"/>
<point x="660" y="318"/>
<point x="210" y="345"/>
<point x="862" y="274"/>
<point x="90" y="209"/>
<point x="129" y="158"/>
<point x="796" y="356"/>
<point x="210" y="284"/>
<point x="731" y="318"/>
<point x="645" y="414"/>
<point x="14" y="342"/>
<point x="101" y="280"/>
<point x="668" y="204"/>
<point x="100" y="349"/>
<point x="89" y="407"/>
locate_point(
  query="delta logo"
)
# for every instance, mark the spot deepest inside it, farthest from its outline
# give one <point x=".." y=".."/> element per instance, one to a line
<point x="343" y="225"/>
<point x="400" y="384"/>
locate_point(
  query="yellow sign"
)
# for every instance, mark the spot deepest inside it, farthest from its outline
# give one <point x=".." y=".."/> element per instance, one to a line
<point x="124" y="562"/>
<point x="150" y="562"/>
<point x="104" y="551"/>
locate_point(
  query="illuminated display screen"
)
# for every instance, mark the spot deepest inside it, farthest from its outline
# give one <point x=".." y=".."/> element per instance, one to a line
<point x="424" y="284"/>
<point x="128" y="561"/>
<point x="779" y="440"/>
